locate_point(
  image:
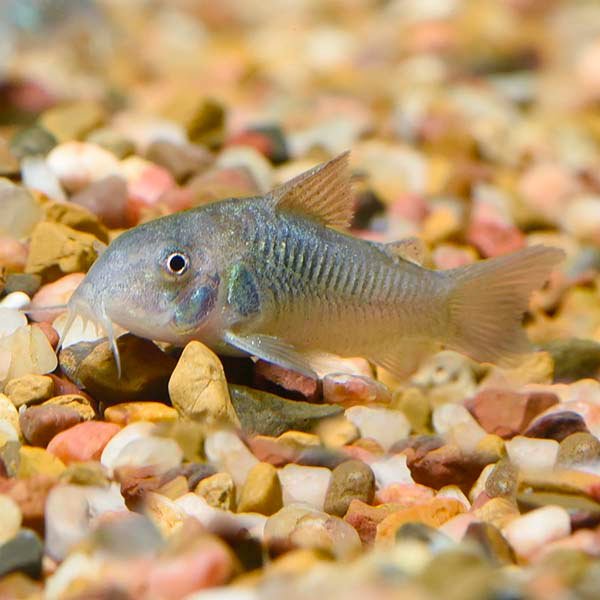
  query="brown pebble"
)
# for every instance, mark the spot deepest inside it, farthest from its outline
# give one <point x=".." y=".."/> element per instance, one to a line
<point x="557" y="426"/>
<point x="351" y="480"/>
<point x="40" y="424"/>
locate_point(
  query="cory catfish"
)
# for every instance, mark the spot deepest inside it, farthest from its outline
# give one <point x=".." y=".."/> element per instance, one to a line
<point x="276" y="277"/>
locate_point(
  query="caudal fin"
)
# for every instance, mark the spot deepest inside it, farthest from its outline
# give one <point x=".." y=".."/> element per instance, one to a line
<point x="489" y="299"/>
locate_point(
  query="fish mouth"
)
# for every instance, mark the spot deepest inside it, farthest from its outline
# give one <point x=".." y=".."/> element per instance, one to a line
<point x="94" y="312"/>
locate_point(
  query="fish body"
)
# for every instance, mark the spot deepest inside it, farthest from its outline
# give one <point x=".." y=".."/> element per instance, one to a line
<point x="276" y="277"/>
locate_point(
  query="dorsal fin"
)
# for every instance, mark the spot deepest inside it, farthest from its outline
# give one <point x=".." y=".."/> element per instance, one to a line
<point x="323" y="193"/>
<point x="411" y="249"/>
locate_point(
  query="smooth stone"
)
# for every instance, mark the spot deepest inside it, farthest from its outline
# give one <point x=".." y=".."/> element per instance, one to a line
<point x="70" y="512"/>
<point x="181" y="160"/>
<point x="404" y="494"/>
<point x="53" y="294"/>
<point x="492" y="543"/>
<point x="164" y="513"/>
<point x="434" y="514"/>
<point x="221" y="522"/>
<point x="107" y="199"/>
<point x="80" y="403"/>
<point x="261" y="492"/>
<point x="129" y="433"/>
<point x="578" y="449"/>
<point x="583" y="511"/>
<point x="23" y="553"/>
<point x="365" y="519"/>
<point x="11" y="520"/>
<point x="9" y="413"/>
<point x="31" y="141"/>
<point x="556" y="425"/>
<point x="198" y="388"/>
<point x="40" y="424"/>
<point x="130" y="412"/>
<point x="350" y="480"/>
<point x="37" y="175"/>
<point x="161" y="454"/>
<point x="72" y="120"/>
<point x="384" y="425"/>
<point x="252" y="160"/>
<point x="266" y="414"/>
<point x="77" y="164"/>
<point x="83" y="442"/>
<point x="20" y="212"/>
<point x="414" y="403"/>
<point x="271" y="376"/>
<point x="320" y="456"/>
<point x="503" y="480"/>
<point x="76" y="217"/>
<point x="30" y="494"/>
<point x="508" y="413"/>
<point x="127" y="535"/>
<point x="219" y="491"/>
<point x="225" y="451"/>
<point x="111" y="140"/>
<point x="13" y="253"/>
<point x="56" y="250"/>
<point x="532" y="531"/>
<point x="574" y="358"/>
<point x="29" y="389"/>
<point x="532" y="454"/>
<point x="145" y="371"/>
<point x="29" y="352"/>
<point x="10" y="457"/>
<point x="11" y="319"/>
<point x="37" y="461"/>
<point x="299" y="440"/>
<point x="304" y="484"/>
<point x="22" y="282"/>
<point x="391" y="469"/>
<point x="15" y="301"/>
<point x="420" y="532"/>
<point x="454" y="422"/>
<point x="335" y="432"/>
<point x="347" y="390"/>
<point x="497" y="511"/>
<point x="85" y="473"/>
<point x="302" y="526"/>
<point x="453" y="491"/>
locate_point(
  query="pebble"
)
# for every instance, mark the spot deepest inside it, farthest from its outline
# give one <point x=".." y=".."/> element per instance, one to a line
<point x="85" y="473"/>
<point x="350" y="390"/>
<point x="583" y="511"/>
<point x="219" y="491"/>
<point x="111" y="140"/>
<point x="307" y="485"/>
<point x="145" y="371"/>
<point x="11" y="520"/>
<point x="11" y="320"/>
<point x="32" y="141"/>
<point x="456" y="423"/>
<point x="301" y="526"/>
<point x="107" y="199"/>
<point x="37" y="175"/>
<point x="556" y="425"/>
<point x="531" y="532"/>
<point x="37" y="461"/>
<point x="491" y="541"/>
<point x="130" y="412"/>
<point x="226" y="452"/>
<point x="56" y="250"/>
<point x="261" y="492"/>
<point x="335" y="432"/>
<point x="21" y="282"/>
<point x="23" y="553"/>
<point x="72" y="120"/>
<point x="531" y="454"/>
<point x="53" y="294"/>
<point x="8" y="412"/>
<point x="267" y="414"/>
<point x="20" y="212"/>
<point x="404" y="494"/>
<point x="158" y="453"/>
<point x="350" y="480"/>
<point x="391" y="469"/>
<point x="365" y="519"/>
<point x="507" y="413"/>
<point x="76" y="217"/>
<point x="181" y="160"/>
<point x="77" y="164"/>
<point x="70" y="512"/>
<point x="434" y="514"/>
<point x="578" y="449"/>
<point x="503" y="480"/>
<point x="13" y="254"/>
<point x="40" y="424"/>
<point x="29" y="389"/>
<point x="384" y="425"/>
<point x="83" y="442"/>
<point x="198" y="388"/>
<point x="30" y="494"/>
<point x="574" y="358"/>
<point x="80" y="403"/>
<point x="497" y="511"/>
<point x="270" y="375"/>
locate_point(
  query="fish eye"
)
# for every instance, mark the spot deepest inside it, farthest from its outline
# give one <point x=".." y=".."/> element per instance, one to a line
<point x="177" y="263"/>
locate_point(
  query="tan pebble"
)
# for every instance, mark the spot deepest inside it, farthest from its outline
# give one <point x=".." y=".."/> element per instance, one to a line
<point x="416" y="407"/>
<point x="198" y="387"/>
<point x="76" y="217"/>
<point x="11" y="518"/>
<point x="49" y="332"/>
<point x="178" y="486"/>
<point x="129" y="412"/>
<point x="497" y="511"/>
<point x="37" y="461"/>
<point x="261" y="492"/>
<point x="29" y="389"/>
<point x="337" y="431"/>
<point x="77" y="402"/>
<point x="85" y="473"/>
<point x="9" y="413"/>
<point x="218" y="490"/>
<point x="503" y="480"/>
<point x="491" y="447"/>
<point x="164" y="513"/>
<point x="434" y="513"/>
<point x="299" y="440"/>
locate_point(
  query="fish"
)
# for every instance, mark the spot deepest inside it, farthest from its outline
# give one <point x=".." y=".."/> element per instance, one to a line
<point x="280" y="278"/>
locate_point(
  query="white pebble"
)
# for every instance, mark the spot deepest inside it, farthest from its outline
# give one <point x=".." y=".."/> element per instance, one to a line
<point x="384" y="425"/>
<point x="392" y="469"/>
<point x="37" y="175"/>
<point x="532" y="454"/>
<point x="15" y="300"/>
<point x="160" y="453"/>
<point x="120" y="440"/>
<point x="537" y="528"/>
<point x="457" y="425"/>
<point x="251" y="159"/>
<point x="10" y="320"/>
<point x="453" y="491"/>
<point x="225" y="451"/>
<point x="304" y="484"/>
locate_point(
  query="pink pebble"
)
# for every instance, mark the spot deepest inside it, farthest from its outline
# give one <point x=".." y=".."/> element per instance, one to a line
<point x="406" y="494"/>
<point x="13" y="254"/>
<point x="53" y="294"/>
<point x="456" y="527"/>
<point x="83" y="442"/>
<point x="495" y="239"/>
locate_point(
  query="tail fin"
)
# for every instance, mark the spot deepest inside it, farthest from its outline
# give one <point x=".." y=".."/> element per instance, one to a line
<point x="489" y="299"/>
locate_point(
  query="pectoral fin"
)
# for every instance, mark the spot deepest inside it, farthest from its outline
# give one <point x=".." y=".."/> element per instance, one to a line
<point x="272" y="350"/>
